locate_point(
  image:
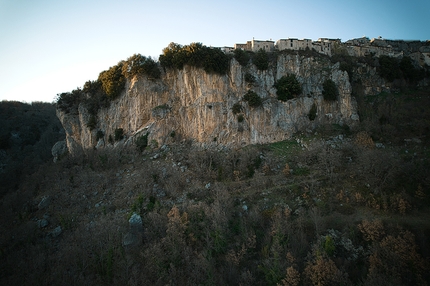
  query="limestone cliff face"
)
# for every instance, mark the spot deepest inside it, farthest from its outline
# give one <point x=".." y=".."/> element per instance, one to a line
<point x="192" y="104"/>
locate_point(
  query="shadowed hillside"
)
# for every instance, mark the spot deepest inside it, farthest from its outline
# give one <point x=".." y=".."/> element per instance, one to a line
<point x="332" y="206"/>
<point x="27" y="134"/>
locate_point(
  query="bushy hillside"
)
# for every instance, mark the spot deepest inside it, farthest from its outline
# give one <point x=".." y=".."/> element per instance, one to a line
<point x="27" y="134"/>
<point x="329" y="207"/>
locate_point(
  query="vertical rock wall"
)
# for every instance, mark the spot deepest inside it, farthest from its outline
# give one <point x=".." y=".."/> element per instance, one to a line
<point x="198" y="106"/>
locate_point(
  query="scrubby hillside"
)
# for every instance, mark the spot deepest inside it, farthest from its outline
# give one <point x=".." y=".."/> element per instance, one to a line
<point x="285" y="168"/>
<point x="327" y="207"/>
<point x="27" y="134"/>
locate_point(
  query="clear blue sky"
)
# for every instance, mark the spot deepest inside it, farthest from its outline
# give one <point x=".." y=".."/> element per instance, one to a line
<point x="53" y="46"/>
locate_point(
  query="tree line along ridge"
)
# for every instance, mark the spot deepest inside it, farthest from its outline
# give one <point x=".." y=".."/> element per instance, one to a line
<point x="110" y="83"/>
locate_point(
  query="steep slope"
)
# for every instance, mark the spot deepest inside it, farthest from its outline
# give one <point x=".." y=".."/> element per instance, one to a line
<point x="192" y="104"/>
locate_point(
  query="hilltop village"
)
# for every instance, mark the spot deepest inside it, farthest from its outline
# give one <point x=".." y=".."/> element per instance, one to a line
<point x="419" y="51"/>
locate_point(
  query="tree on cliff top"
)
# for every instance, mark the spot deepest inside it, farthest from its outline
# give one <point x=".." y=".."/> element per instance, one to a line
<point x="113" y="80"/>
<point x="261" y="60"/>
<point x="138" y="64"/>
<point x="212" y="60"/>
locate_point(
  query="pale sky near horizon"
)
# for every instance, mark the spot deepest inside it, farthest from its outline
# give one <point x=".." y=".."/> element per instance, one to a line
<point x="52" y="46"/>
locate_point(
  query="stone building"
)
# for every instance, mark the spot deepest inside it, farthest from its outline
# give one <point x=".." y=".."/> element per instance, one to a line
<point x="293" y="44"/>
<point x="245" y="47"/>
<point x="256" y="45"/>
<point x="227" y="50"/>
<point x="325" y="45"/>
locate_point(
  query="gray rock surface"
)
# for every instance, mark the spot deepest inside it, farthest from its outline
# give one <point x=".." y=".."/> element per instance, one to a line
<point x="58" y="150"/>
<point x="196" y="105"/>
<point x="135" y="233"/>
<point x="44" y="202"/>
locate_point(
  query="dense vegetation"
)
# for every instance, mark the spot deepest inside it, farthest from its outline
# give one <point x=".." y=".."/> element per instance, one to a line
<point x="330" y="91"/>
<point x="212" y="60"/>
<point x="403" y="72"/>
<point x="242" y="56"/>
<point x="27" y="134"/>
<point x="261" y="60"/>
<point x="324" y="208"/>
<point x="288" y="87"/>
<point x="253" y="99"/>
<point x="141" y="65"/>
<point x="109" y="85"/>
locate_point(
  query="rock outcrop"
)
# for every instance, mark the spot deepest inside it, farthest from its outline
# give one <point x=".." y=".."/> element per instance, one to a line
<point x="192" y="104"/>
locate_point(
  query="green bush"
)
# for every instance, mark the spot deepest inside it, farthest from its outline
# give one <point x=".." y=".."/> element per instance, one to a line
<point x="92" y="122"/>
<point x="240" y="118"/>
<point x="252" y="98"/>
<point x="261" y="60"/>
<point x="389" y="68"/>
<point x="119" y="134"/>
<point x="287" y="87"/>
<point x="141" y="65"/>
<point x="237" y="108"/>
<point x="409" y="71"/>
<point x="93" y="87"/>
<point x="312" y="112"/>
<point x="69" y="101"/>
<point x="249" y="78"/>
<point x="212" y="60"/>
<point x="330" y="90"/>
<point x="95" y="98"/>
<point x="142" y="142"/>
<point x="242" y="56"/>
<point x="113" y="81"/>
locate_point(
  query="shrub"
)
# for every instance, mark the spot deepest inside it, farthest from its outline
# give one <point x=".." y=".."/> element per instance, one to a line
<point x="212" y="60"/>
<point x="142" y="142"/>
<point x="261" y="60"/>
<point x="241" y="56"/>
<point x="240" y="118"/>
<point x="93" y="87"/>
<point x="113" y="81"/>
<point x="287" y="87"/>
<point x="389" y="68"/>
<point x="330" y="90"/>
<point x="69" y="101"/>
<point x="252" y="98"/>
<point x="312" y="112"/>
<point x="237" y="108"/>
<point x="95" y="97"/>
<point x="139" y="65"/>
<point x="100" y="134"/>
<point x="409" y="71"/>
<point x="92" y="122"/>
<point x="119" y="134"/>
<point x="249" y="78"/>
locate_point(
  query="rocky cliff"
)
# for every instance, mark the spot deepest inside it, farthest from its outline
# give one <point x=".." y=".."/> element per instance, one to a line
<point x="192" y="104"/>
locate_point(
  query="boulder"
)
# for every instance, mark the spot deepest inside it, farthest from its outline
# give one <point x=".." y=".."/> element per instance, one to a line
<point x="58" y="150"/>
<point x="135" y="233"/>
